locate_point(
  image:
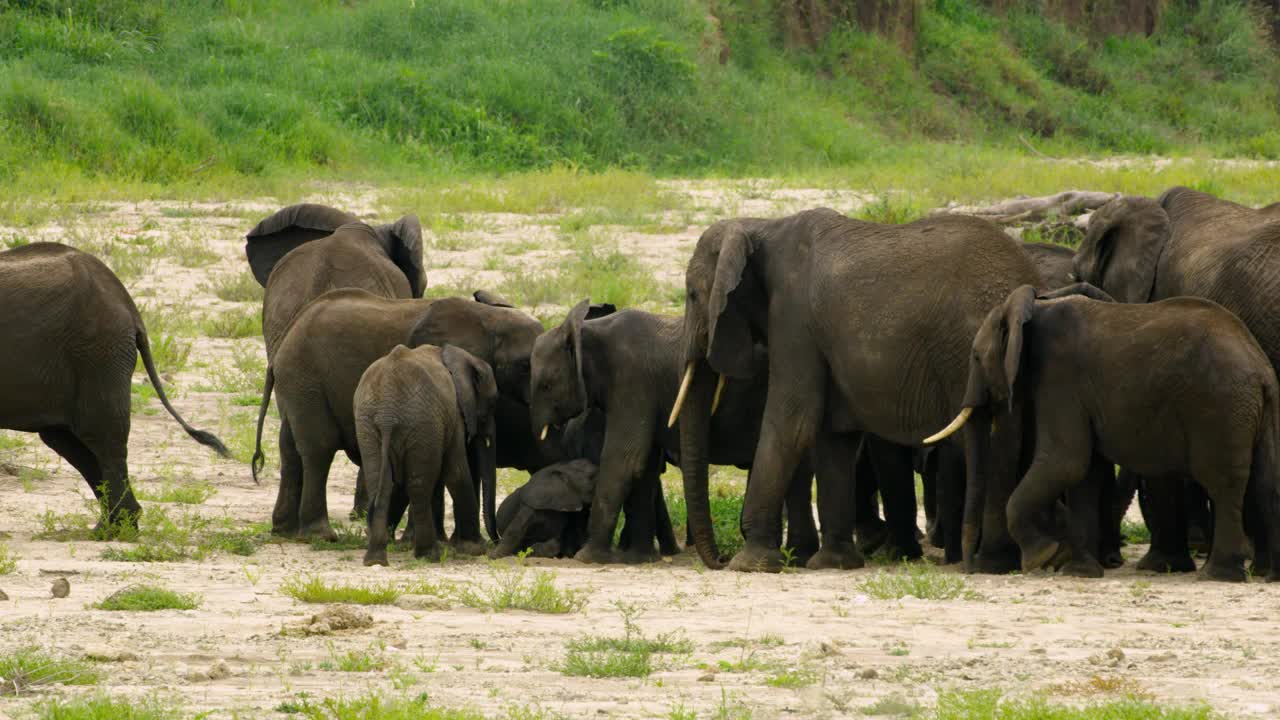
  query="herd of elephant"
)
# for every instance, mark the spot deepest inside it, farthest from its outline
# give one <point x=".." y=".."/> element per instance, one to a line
<point x="1014" y="378"/>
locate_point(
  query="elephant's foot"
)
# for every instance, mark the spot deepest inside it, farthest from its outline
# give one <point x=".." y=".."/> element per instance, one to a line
<point x="594" y="554"/>
<point x="801" y="554"/>
<point x="1163" y="562"/>
<point x="1112" y="559"/>
<point x="758" y="558"/>
<point x="1198" y="540"/>
<point x="428" y="551"/>
<point x="836" y="556"/>
<point x="1086" y="567"/>
<point x="284" y="529"/>
<point x="936" y="537"/>
<point x="871" y="535"/>
<point x="1223" y="572"/>
<point x="897" y="552"/>
<point x="469" y="547"/>
<point x="546" y="549"/>
<point x="638" y="554"/>
<point x="997" y="562"/>
<point x="318" y="530"/>
<point x="375" y="557"/>
<point x="669" y="549"/>
<point x="1039" y="554"/>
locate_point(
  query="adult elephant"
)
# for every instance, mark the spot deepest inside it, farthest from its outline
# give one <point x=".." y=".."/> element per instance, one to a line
<point x="1192" y="243"/>
<point x="869" y="328"/>
<point x="1055" y="263"/>
<point x="70" y="336"/>
<point x="627" y="365"/>
<point x="318" y="366"/>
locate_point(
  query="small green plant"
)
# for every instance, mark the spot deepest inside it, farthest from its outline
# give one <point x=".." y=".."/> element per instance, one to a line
<point x="898" y="649"/>
<point x="27" y="669"/>
<point x="989" y="705"/>
<point x="370" y="660"/>
<point x="185" y="492"/>
<point x="314" y="589"/>
<point x="919" y="580"/>
<point x="510" y="588"/>
<point x="1135" y="533"/>
<point x="8" y="560"/>
<point x="350" y="536"/>
<point x="241" y="287"/>
<point x="232" y="324"/>
<point x="148" y="598"/>
<point x="628" y="656"/>
<point x="793" y="679"/>
<point x="104" y="707"/>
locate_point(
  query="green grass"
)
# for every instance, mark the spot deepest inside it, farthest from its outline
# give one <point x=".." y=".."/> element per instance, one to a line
<point x="725" y="499"/>
<point x="1135" y="533"/>
<point x="920" y="580"/>
<point x="314" y="589"/>
<point x="26" y="669"/>
<point x="628" y="656"/>
<point x="233" y="324"/>
<point x="513" y="587"/>
<point x="241" y="287"/>
<point x="186" y="491"/>
<point x="989" y="705"/>
<point x="8" y="560"/>
<point x="373" y="659"/>
<point x="380" y="707"/>
<point x="103" y="707"/>
<point x="148" y="598"/>
<point x="792" y="679"/>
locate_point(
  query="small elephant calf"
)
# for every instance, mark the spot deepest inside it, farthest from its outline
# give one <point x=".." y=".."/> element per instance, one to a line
<point x="549" y="513"/>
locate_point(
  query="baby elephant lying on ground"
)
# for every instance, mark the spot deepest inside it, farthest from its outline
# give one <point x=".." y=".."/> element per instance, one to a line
<point x="1172" y="389"/>
<point x="549" y="513"/>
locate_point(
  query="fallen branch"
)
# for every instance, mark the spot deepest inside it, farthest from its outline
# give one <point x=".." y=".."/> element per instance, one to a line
<point x="1035" y="209"/>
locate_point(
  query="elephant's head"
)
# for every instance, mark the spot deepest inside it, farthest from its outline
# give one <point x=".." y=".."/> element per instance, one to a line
<point x="558" y="389"/>
<point x="477" y="397"/>
<point x="562" y="487"/>
<point x="496" y="333"/>
<point x="296" y="225"/>
<point x="1120" y="251"/>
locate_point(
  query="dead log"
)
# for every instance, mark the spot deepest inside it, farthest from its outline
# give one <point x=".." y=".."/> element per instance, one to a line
<point x="1035" y="209"/>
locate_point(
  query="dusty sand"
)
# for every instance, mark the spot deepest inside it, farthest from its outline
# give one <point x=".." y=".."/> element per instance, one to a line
<point x="1179" y="640"/>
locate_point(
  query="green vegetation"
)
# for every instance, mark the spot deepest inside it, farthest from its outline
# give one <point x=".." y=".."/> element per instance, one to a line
<point x="8" y="561"/>
<point x="233" y="324"/>
<point x="725" y="498"/>
<point x="25" y="669"/>
<point x="628" y="656"/>
<point x="988" y="705"/>
<point x="511" y="588"/>
<point x="920" y="580"/>
<point x="373" y="659"/>
<point x="371" y="706"/>
<point x="124" y="96"/>
<point x="102" y="707"/>
<point x="315" y="590"/>
<point x="148" y="598"/>
<point x="185" y="491"/>
<point x="1135" y="532"/>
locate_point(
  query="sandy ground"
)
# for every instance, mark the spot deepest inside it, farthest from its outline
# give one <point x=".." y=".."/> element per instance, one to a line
<point x="1170" y="638"/>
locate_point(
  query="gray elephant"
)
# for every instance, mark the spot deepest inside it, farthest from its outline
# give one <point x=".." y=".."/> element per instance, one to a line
<point x="869" y="328"/>
<point x="423" y="419"/>
<point x="319" y="364"/>
<point x="1186" y="243"/>
<point x="70" y="336"/>
<point x="549" y="513"/>
<point x="627" y="365"/>
<point x="1123" y="380"/>
<point x="1055" y="263"/>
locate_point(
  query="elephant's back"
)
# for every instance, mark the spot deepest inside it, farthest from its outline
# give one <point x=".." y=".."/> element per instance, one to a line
<point x="407" y="382"/>
<point x="65" y="288"/>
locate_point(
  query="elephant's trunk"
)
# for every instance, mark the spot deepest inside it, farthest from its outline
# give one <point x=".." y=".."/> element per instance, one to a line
<point x="487" y="466"/>
<point x="977" y="441"/>
<point x="695" y="437"/>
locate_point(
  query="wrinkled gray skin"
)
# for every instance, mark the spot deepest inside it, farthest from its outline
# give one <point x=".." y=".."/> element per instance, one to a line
<point x="319" y="364"/>
<point x="1186" y="243"/>
<point x="869" y="328"/>
<point x="1190" y="369"/>
<point x="548" y="514"/>
<point x="627" y="365"/>
<point x="303" y="251"/>
<point x="1055" y="263"/>
<point x="423" y="419"/>
<point x="70" y="335"/>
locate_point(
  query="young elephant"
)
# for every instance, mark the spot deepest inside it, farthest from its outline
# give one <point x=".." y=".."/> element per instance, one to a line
<point x="549" y="513"/>
<point x="1171" y="389"/>
<point x="422" y="417"/>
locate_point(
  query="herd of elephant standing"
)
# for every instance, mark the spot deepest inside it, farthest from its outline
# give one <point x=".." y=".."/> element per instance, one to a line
<point x="1015" y="378"/>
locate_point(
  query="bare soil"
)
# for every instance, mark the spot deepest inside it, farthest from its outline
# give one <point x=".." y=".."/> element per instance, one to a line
<point x="246" y="649"/>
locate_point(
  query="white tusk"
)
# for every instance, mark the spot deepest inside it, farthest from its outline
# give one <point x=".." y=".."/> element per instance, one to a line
<point x="684" y="390"/>
<point x="948" y="430"/>
<point x="715" y="403"/>
<point x="543" y="436"/>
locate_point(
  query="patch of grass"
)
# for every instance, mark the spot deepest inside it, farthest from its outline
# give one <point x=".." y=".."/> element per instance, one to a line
<point x="1135" y="533"/>
<point x="167" y="329"/>
<point x="232" y="324"/>
<point x="920" y="580"/>
<point x="793" y="679"/>
<point x="607" y="663"/>
<point x="1102" y="685"/>
<point x="241" y="287"/>
<point x="314" y="589"/>
<point x="10" y="440"/>
<point x="184" y="492"/>
<point x="511" y="588"/>
<point x="724" y="497"/>
<point x="892" y="209"/>
<point x="893" y="705"/>
<point x="27" y="669"/>
<point x="351" y="536"/>
<point x="190" y="252"/>
<point x="148" y="598"/>
<point x="103" y="707"/>
<point x="369" y="707"/>
<point x="628" y="656"/>
<point x="598" y="270"/>
<point x="244" y="377"/>
<point x="989" y="705"/>
<point x="373" y="659"/>
<point x="8" y="563"/>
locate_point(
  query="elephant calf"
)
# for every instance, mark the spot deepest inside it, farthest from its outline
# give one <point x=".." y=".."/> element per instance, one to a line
<point x="549" y="513"/>
<point x="425" y="416"/>
<point x="1171" y="389"/>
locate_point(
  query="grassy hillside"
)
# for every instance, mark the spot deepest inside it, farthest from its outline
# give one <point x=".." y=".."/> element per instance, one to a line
<point x="224" y="93"/>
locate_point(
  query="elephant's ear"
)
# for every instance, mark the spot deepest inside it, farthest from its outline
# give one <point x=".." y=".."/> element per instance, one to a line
<point x="563" y="487"/>
<point x="488" y="297"/>
<point x="1084" y="289"/>
<point x="729" y="343"/>
<point x="474" y="386"/>
<point x="290" y="227"/>
<point x="573" y="323"/>
<point x="1122" y="247"/>
<point x="403" y="240"/>
<point x="1016" y="312"/>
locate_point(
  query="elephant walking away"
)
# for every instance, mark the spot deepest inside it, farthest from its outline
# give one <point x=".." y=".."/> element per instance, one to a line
<point x="70" y="336"/>
<point x="424" y="417"/>
<point x="869" y="328"/>
<point x="1170" y="389"/>
<point x="318" y="366"/>
<point x="626" y="364"/>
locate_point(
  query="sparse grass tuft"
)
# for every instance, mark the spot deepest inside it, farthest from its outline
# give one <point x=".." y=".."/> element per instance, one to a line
<point x="186" y="492"/>
<point x="8" y="562"/>
<point x="351" y="536"/>
<point x="242" y="287"/>
<point x="989" y="705"/>
<point x="314" y="589"/>
<point x="369" y="707"/>
<point x="27" y="669"/>
<point x="510" y="588"/>
<point x="371" y="660"/>
<point x="148" y="598"/>
<point x="607" y="663"/>
<point x="793" y="679"/>
<point x="627" y="656"/>
<point x="233" y="324"/>
<point x="102" y="707"/>
<point x="1100" y="685"/>
<point x="920" y="580"/>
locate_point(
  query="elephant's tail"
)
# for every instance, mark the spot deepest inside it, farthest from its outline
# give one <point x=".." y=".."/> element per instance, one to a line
<point x="258" y="458"/>
<point x="386" y="477"/>
<point x="201" y="436"/>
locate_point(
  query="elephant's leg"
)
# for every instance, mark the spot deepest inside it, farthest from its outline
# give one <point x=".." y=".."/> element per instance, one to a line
<point x="437" y="510"/>
<point x="833" y="457"/>
<point x="1083" y="529"/>
<point x="802" y="533"/>
<point x="513" y="535"/>
<point x="1262" y="500"/>
<point x="466" y="506"/>
<point x="1052" y="474"/>
<point x="313" y="513"/>
<point x="360" y="504"/>
<point x="378" y="510"/>
<point x="868" y="529"/>
<point x="67" y="445"/>
<point x="1114" y="503"/>
<point x="546" y="549"/>
<point x="667" y="544"/>
<point x="1164" y="512"/>
<point x="898" y="491"/>
<point x="284" y="517"/>
<point x="1226" y="486"/>
<point x="1200" y="518"/>
<point x="396" y="508"/>
<point x="642" y="519"/>
<point x="421" y="483"/>
<point x="992" y="464"/>
<point x="949" y="478"/>
<point x="107" y="441"/>
<point x="621" y="462"/>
